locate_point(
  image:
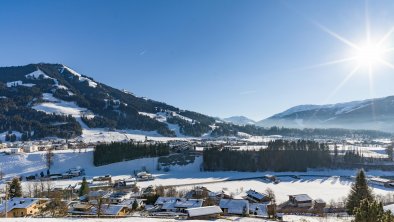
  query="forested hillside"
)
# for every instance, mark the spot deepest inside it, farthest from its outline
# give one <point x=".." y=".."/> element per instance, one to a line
<point x="45" y="100"/>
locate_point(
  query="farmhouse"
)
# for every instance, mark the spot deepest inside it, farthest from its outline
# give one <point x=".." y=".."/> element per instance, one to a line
<point x="23" y="207"/>
<point x="173" y="204"/>
<point x="256" y="197"/>
<point x="234" y="206"/>
<point x="300" y="200"/>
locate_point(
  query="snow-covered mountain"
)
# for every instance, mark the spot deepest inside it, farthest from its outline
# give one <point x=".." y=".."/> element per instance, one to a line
<point x="41" y="100"/>
<point x="239" y="120"/>
<point x="374" y="114"/>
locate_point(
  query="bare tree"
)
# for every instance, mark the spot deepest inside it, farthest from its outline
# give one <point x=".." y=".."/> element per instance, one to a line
<point x="48" y="186"/>
<point x="271" y="208"/>
<point x="271" y="195"/>
<point x="56" y="207"/>
<point x="49" y="158"/>
<point x="41" y="188"/>
<point x="99" y="207"/>
<point x="2" y="174"/>
<point x="30" y="189"/>
<point x="36" y="190"/>
<point x="171" y="192"/>
<point x="160" y="190"/>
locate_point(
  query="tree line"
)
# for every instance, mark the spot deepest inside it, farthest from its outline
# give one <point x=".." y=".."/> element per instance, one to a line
<point x="281" y="155"/>
<point x="116" y="152"/>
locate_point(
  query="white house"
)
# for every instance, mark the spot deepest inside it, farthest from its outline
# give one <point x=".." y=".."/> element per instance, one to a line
<point x="30" y="148"/>
<point x="300" y="200"/>
<point x="17" y="150"/>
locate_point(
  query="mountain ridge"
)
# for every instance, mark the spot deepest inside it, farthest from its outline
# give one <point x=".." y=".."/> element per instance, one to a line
<point x="369" y="114"/>
<point x="239" y="120"/>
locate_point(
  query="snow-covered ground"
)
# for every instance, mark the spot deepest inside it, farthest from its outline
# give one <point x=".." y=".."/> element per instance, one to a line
<point x="325" y="184"/>
<point x="54" y="105"/>
<point x="141" y="219"/>
<point x="367" y="151"/>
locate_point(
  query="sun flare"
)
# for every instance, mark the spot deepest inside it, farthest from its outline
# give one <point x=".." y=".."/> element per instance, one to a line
<point x="369" y="54"/>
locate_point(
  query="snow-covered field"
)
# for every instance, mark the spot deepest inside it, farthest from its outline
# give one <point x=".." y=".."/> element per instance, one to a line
<point x="324" y="184"/>
<point x="367" y="151"/>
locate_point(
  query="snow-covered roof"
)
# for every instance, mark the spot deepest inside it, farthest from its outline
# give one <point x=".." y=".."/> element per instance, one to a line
<point x="301" y="197"/>
<point x="130" y="202"/>
<point x="234" y="206"/>
<point x="255" y="194"/>
<point x="17" y="203"/>
<point x="99" y="193"/>
<point x="111" y="209"/>
<point x="202" y="211"/>
<point x="191" y="203"/>
<point x="163" y="200"/>
<point x="173" y="202"/>
<point x="258" y="209"/>
<point x="321" y="201"/>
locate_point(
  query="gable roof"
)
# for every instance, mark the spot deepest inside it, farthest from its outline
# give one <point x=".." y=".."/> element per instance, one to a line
<point x="234" y="206"/>
<point x="18" y="203"/>
<point x="169" y="203"/>
<point x="255" y="194"/>
<point x="203" y="211"/>
<point x="301" y="197"/>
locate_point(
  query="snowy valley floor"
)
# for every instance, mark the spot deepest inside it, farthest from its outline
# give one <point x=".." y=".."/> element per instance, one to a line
<point x="330" y="185"/>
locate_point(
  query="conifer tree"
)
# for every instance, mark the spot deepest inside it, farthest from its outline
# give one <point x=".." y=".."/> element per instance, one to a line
<point x="15" y="188"/>
<point x="135" y="205"/>
<point x="371" y="211"/>
<point x="359" y="192"/>
<point x="84" y="187"/>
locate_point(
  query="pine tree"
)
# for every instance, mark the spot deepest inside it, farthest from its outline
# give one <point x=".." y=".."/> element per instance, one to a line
<point x="371" y="211"/>
<point x="135" y="205"/>
<point x="84" y="187"/>
<point x="359" y="192"/>
<point x="15" y="188"/>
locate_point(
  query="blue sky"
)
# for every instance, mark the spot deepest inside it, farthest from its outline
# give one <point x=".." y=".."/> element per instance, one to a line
<point x="221" y="58"/>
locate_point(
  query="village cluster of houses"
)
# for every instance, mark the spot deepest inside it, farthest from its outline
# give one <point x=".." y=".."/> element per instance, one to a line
<point x="198" y="203"/>
<point x="19" y="147"/>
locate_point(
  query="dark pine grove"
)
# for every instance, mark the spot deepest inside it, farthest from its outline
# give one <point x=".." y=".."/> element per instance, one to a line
<point x="281" y="155"/>
<point x="116" y="152"/>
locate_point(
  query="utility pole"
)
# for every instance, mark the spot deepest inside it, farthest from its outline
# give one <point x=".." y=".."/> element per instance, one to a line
<point x="6" y="200"/>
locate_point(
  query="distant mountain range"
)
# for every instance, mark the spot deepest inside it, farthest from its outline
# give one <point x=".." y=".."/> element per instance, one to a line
<point x="371" y="114"/>
<point x="239" y="120"/>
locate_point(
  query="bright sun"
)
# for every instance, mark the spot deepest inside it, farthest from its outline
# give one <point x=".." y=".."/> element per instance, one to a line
<point x="369" y="54"/>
